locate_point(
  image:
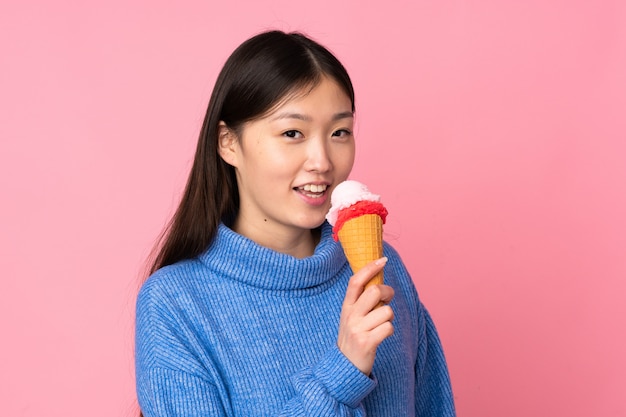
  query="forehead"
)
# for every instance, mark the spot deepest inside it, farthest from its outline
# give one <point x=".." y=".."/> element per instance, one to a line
<point x="325" y="96"/>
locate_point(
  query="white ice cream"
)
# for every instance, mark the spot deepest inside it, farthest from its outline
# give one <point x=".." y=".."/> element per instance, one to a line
<point x="346" y="194"/>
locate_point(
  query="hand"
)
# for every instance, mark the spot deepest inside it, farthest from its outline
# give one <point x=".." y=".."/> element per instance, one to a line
<point x="362" y="326"/>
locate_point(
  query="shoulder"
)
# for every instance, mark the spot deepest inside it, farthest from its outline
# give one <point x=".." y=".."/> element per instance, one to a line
<point x="170" y="288"/>
<point x="393" y="255"/>
<point x="397" y="271"/>
<point x="169" y="278"/>
<point x="406" y="302"/>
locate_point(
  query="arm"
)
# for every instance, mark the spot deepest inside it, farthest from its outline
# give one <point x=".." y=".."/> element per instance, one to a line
<point x="169" y="380"/>
<point x="432" y="390"/>
<point x="433" y="393"/>
<point x="165" y="392"/>
<point x="332" y="387"/>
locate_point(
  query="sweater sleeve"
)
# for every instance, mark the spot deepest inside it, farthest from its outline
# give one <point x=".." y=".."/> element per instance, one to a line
<point x="433" y="393"/>
<point x="166" y="392"/>
<point x="169" y="381"/>
<point x="332" y="387"/>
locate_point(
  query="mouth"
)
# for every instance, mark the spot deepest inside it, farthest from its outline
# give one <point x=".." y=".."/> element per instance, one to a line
<point x="312" y="190"/>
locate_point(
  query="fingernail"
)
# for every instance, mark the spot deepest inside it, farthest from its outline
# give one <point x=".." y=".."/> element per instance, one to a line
<point x="381" y="261"/>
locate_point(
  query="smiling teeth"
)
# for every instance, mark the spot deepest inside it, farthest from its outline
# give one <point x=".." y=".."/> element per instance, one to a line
<point x="315" y="188"/>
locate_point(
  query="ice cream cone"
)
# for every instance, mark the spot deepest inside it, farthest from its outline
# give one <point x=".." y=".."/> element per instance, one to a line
<point x="362" y="241"/>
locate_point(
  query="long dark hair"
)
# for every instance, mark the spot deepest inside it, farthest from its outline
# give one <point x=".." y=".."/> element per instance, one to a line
<point x="258" y="75"/>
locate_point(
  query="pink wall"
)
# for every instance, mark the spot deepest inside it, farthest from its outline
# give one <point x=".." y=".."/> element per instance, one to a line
<point x="498" y="134"/>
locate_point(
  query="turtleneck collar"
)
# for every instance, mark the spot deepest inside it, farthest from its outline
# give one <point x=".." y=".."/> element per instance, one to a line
<point x="241" y="259"/>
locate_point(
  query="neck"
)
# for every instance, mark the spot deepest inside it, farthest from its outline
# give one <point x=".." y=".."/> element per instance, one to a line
<point x="299" y="243"/>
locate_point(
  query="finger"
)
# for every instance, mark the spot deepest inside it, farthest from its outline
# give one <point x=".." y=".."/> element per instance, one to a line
<point x="358" y="280"/>
<point x="381" y="332"/>
<point x="374" y="296"/>
<point x="377" y="317"/>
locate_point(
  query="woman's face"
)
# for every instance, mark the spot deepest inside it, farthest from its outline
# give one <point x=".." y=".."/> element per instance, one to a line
<point x="288" y="162"/>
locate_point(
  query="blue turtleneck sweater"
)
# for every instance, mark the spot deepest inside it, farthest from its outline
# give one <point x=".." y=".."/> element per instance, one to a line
<point x="242" y="330"/>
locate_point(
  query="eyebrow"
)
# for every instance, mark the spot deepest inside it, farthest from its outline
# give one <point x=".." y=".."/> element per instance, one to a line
<point x="298" y="116"/>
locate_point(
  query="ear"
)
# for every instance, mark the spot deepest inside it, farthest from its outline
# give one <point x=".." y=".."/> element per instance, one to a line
<point x="227" y="144"/>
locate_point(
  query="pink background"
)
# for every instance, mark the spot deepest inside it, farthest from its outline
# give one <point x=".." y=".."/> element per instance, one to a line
<point x="495" y="131"/>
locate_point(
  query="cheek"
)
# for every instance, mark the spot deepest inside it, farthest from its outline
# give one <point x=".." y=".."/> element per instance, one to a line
<point x="274" y="167"/>
<point x="344" y="160"/>
<point x="284" y="160"/>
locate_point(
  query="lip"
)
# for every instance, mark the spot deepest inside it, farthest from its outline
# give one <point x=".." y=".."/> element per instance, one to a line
<point x="326" y="183"/>
<point x="313" y="201"/>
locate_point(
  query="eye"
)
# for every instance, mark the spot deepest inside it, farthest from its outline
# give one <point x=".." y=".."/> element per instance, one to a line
<point x="342" y="133"/>
<point x="294" y="134"/>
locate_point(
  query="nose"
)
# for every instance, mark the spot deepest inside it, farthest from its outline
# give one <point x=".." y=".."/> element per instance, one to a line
<point x="318" y="157"/>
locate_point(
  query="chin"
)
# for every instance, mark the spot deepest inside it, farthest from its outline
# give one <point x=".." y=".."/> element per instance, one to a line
<point x="312" y="223"/>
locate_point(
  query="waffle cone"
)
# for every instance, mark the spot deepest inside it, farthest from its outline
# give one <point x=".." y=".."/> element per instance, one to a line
<point x="362" y="241"/>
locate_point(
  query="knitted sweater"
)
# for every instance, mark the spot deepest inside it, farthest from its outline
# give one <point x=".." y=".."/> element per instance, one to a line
<point x="242" y="330"/>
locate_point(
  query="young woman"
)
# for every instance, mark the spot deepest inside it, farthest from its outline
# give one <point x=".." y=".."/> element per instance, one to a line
<point x="251" y="308"/>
